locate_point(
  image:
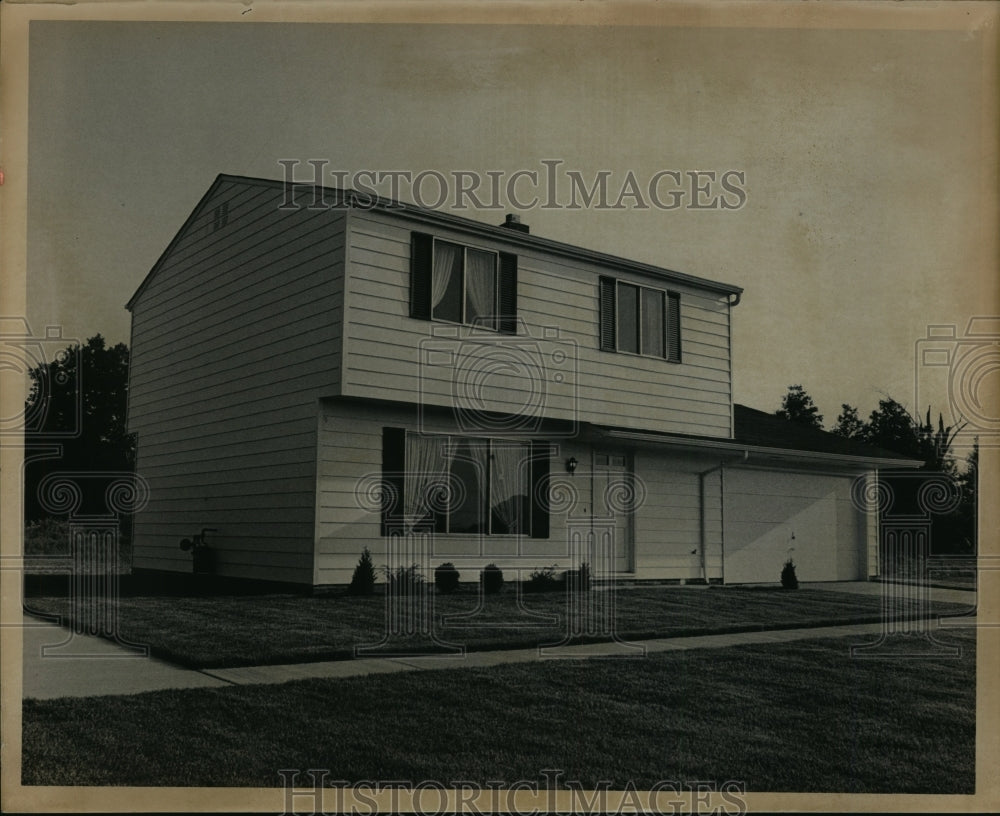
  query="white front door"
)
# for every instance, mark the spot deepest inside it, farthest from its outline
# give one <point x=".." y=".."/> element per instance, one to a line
<point x="614" y="494"/>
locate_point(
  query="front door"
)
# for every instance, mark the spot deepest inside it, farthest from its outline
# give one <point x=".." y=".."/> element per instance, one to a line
<point x="614" y="493"/>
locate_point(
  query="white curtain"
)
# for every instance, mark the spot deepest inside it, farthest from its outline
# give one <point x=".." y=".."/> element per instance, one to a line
<point x="446" y="264"/>
<point x="509" y="463"/>
<point x="480" y="288"/>
<point x="428" y="460"/>
<point x="479" y="453"/>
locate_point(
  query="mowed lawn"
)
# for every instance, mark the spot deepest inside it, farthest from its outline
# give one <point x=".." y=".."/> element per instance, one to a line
<point x="800" y="716"/>
<point x="227" y="631"/>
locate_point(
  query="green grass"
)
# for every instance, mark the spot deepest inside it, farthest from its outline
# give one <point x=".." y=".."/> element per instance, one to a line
<point x="802" y="716"/>
<point x="227" y="631"/>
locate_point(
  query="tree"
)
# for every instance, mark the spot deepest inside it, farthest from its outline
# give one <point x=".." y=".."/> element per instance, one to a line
<point x="893" y="427"/>
<point x="967" y="512"/>
<point x="797" y="406"/>
<point x="849" y="424"/>
<point x="78" y="402"/>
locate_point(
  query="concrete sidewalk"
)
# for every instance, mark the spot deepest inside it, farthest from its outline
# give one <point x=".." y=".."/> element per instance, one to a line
<point x="60" y="664"/>
<point x="110" y="669"/>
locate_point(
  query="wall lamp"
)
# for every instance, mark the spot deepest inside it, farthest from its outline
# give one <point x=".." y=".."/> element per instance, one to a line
<point x="571" y="464"/>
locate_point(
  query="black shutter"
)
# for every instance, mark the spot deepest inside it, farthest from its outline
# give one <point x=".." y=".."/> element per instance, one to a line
<point x="673" y="327"/>
<point x="607" y="310"/>
<point x="393" y="466"/>
<point x="540" y="453"/>
<point x="421" y="264"/>
<point x="507" y="303"/>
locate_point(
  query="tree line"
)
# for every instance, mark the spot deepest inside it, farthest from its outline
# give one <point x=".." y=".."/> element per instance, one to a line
<point x="893" y="428"/>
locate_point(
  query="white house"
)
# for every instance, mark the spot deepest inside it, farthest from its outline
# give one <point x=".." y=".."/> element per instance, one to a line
<point x="314" y="372"/>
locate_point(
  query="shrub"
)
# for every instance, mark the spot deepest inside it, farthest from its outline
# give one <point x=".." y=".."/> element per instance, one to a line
<point x="491" y="579"/>
<point x="579" y="580"/>
<point x="446" y="578"/>
<point x="788" y="579"/>
<point x="403" y="580"/>
<point x="47" y="536"/>
<point x="543" y="580"/>
<point x="363" y="580"/>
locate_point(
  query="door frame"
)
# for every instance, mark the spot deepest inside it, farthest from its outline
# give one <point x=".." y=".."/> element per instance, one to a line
<point x="627" y="469"/>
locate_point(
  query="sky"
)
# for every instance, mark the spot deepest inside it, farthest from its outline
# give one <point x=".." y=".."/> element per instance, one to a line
<point x="863" y="154"/>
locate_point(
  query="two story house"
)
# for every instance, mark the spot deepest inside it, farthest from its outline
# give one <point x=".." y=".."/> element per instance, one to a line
<point x="314" y="371"/>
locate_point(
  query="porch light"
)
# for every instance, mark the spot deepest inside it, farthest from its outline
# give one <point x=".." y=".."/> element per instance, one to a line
<point x="571" y="464"/>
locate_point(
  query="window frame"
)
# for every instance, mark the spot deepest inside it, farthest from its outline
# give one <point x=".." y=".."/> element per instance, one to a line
<point x="505" y="273"/>
<point x="610" y="310"/>
<point x="486" y="491"/>
<point x="536" y="524"/>
<point x="465" y="248"/>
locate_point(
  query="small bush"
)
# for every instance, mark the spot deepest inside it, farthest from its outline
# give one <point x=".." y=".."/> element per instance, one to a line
<point x="788" y="579"/>
<point x="363" y="580"/>
<point x="491" y="579"/>
<point x="446" y="578"/>
<point x="47" y="536"/>
<point x="579" y="580"/>
<point x="403" y="580"/>
<point x="543" y="580"/>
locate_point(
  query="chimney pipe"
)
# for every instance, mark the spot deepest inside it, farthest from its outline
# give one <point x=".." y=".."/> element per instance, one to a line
<point x="514" y="222"/>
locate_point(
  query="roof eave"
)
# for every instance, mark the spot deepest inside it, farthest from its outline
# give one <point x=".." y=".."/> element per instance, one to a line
<point x="737" y="449"/>
<point x="369" y="201"/>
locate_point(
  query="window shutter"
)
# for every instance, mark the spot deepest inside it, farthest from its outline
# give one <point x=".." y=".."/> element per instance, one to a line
<point x="673" y="327"/>
<point x="540" y="454"/>
<point x="393" y="467"/>
<point x="507" y="302"/>
<point x="607" y="309"/>
<point x="421" y="264"/>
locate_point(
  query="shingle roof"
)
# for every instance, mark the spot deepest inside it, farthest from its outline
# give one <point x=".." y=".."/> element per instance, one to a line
<point x="762" y="429"/>
<point x="351" y="198"/>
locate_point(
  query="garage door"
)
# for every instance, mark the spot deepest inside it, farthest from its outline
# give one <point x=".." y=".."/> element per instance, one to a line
<point x="771" y="516"/>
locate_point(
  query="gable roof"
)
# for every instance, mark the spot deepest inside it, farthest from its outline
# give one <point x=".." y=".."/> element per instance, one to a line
<point x="353" y="199"/>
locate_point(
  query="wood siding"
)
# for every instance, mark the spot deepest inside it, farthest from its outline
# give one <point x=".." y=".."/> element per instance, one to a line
<point x="666" y="527"/>
<point x="234" y="339"/>
<point x="347" y="514"/>
<point x="554" y="368"/>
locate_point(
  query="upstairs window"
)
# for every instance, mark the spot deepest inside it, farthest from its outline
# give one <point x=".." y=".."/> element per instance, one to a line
<point x="640" y="320"/>
<point x="462" y="284"/>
